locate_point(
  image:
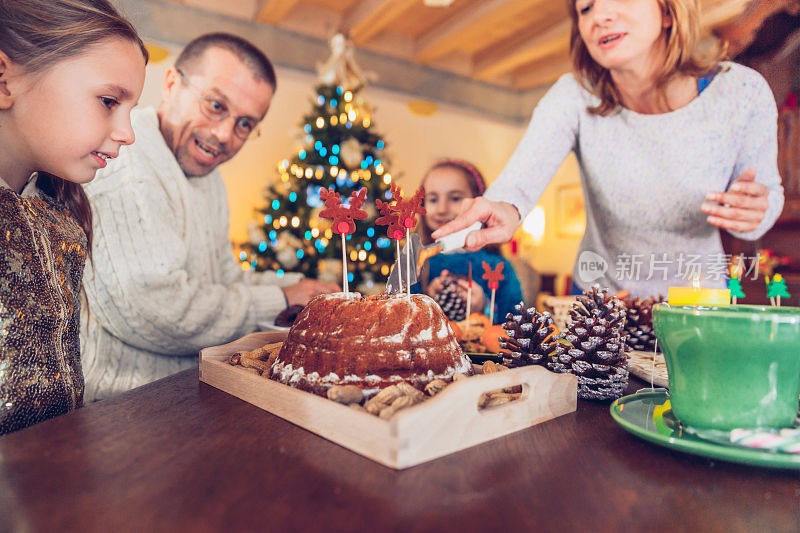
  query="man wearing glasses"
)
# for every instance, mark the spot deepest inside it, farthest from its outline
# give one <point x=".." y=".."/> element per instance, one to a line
<point x="163" y="282"/>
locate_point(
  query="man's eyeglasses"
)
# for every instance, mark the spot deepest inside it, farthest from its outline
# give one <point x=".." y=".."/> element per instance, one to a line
<point x="245" y="128"/>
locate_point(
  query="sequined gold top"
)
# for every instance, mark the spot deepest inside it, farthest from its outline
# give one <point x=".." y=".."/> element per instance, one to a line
<point x="41" y="268"/>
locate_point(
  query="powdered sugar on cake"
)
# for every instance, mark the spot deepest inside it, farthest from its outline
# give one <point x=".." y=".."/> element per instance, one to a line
<point x="371" y="342"/>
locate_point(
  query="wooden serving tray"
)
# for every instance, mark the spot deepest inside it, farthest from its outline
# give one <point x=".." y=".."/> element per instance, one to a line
<point x="446" y="423"/>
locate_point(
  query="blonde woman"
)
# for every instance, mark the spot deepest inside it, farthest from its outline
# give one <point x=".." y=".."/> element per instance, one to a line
<point x="672" y="145"/>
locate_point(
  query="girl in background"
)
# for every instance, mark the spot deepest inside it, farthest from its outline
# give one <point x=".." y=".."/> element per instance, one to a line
<point x="447" y="184"/>
<point x="70" y="73"/>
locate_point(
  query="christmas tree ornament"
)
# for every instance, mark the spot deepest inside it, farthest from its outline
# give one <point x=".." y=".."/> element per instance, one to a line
<point x="344" y="218"/>
<point x="351" y="153"/>
<point x="341" y="67"/>
<point x="494" y="277"/>
<point x="639" y="323"/>
<point x="593" y="346"/>
<point x="531" y="337"/>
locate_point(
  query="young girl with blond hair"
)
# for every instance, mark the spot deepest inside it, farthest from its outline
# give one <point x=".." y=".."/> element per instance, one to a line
<point x="673" y="146"/>
<point x="70" y="73"/>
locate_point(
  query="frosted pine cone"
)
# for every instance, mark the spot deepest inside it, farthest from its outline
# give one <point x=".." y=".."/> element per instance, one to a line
<point x="531" y="337"/>
<point x="452" y="301"/>
<point x="595" y="346"/>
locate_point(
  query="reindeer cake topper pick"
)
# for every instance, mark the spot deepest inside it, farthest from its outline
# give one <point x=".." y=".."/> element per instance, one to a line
<point x="399" y="215"/>
<point x="494" y="277"/>
<point x="344" y="218"/>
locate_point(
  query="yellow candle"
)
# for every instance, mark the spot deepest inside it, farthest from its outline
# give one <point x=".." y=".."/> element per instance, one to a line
<point x="695" y="295"/>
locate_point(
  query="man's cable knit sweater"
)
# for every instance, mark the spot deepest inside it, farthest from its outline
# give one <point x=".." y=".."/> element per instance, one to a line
<point x="163" y="282"/>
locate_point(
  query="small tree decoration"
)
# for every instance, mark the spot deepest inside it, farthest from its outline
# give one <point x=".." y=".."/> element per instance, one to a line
<point x="344" y="218"/>
<point x="494" y="277"/>
<point x="400" y="216"/>
<point x="777" y="288"/>
<point x="734" y="283"/>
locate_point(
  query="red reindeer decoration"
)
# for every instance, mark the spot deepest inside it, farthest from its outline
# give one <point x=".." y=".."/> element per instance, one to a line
<point x="390" y="219"/>
<point x="343" y="219"/>
<point x="400" y="217"/>
<point x="494" y="277"/>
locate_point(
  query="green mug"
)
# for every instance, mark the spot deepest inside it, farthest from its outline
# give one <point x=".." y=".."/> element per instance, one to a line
<point x="731" y="367"/>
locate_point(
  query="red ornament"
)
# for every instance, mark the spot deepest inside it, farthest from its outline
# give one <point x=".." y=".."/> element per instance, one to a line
<point x="343" y="217"/>
<point x="493" y="276"/>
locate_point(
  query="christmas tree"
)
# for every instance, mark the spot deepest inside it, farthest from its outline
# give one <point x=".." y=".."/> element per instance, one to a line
<point x="339" y="149"/>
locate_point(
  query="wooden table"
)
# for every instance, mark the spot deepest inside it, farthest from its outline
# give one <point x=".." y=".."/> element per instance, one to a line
<point x="180" y="455"/>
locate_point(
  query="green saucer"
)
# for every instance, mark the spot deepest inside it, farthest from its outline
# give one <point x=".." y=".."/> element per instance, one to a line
<point x="646" y="416"/>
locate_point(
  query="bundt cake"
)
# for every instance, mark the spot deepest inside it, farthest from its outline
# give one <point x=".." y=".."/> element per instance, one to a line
<point x="369" y="341"/>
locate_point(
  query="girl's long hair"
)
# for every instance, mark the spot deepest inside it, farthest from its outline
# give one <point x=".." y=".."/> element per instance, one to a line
<point x="683" y="57"/>
<point x="37" y="34"/>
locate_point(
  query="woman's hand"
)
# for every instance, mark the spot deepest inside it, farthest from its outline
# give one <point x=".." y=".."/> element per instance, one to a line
<point x="743" y="206"/>
<point x="500" y="220"/>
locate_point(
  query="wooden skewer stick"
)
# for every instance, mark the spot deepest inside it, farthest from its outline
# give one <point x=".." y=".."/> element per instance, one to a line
<point x="408" y="261"/>
<point x="399" y="271"/>
<point x="491" y="309"/>
<point x="469" y="297"/>
<point x="345" y="284"/>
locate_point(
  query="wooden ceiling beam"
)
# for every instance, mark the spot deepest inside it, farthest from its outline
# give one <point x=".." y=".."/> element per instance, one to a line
<point x="715" y="13"/>
<point x="542" y="72"/>
<point x="274" y="11"/>
<point x="368" y="18"/>
<point x="496" y="63"/>
<point x="243" y="9"/>
<point x="449" y="36"/>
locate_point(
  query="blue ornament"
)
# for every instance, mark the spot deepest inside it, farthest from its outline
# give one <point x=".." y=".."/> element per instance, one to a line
<point x="312" y="196"/>
<point x="262" y="246"/>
